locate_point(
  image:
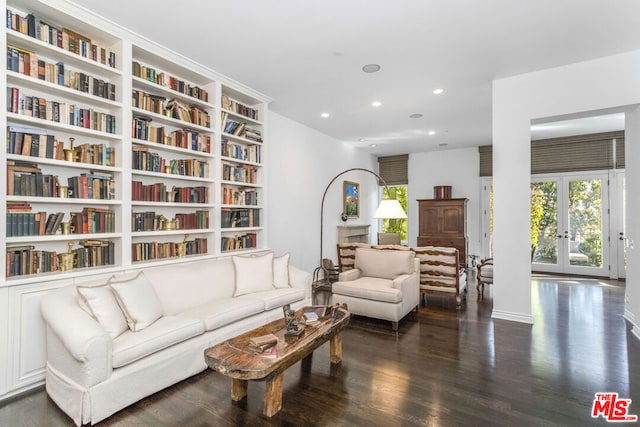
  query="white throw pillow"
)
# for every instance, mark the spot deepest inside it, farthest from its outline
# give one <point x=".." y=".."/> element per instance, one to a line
<point x="281" y="272"/>
<point x="138" y="300"/>
<point x="104" y="308"/>
<point x="253" y="274"/>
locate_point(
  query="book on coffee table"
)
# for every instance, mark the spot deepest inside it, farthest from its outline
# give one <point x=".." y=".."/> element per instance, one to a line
<point x="263" y="342"/>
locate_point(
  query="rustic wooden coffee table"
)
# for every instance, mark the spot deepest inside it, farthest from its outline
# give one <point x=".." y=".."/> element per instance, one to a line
<point x="236" y="359"/>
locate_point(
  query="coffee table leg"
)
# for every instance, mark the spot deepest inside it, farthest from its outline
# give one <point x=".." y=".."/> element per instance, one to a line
<point x="273" y="396"/>
<point x="335" y="349"/>
<point x="238" y="389"/>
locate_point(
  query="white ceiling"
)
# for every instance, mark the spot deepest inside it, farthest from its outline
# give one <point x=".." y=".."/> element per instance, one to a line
<point x="307" y="55"/>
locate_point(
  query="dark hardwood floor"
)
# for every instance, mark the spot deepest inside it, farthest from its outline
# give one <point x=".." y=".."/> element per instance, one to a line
<point x="444" y="368"/>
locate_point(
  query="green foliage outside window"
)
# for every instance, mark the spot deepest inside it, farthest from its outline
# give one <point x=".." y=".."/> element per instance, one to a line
<point x="396" y="225"/>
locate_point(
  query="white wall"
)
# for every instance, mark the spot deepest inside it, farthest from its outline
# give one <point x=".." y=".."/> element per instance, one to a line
<point x="600" y="84"/>
<point x="458" y="168"/>
<point x="301" y="163"/>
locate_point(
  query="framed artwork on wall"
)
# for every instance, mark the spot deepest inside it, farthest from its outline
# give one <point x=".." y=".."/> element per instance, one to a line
<point x="351" y="199"/>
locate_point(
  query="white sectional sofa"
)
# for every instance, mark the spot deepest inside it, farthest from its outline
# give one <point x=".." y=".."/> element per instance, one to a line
<point x="97" y="365"/>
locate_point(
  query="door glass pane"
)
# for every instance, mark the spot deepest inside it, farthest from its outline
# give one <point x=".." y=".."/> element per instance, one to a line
<point x="585" y="222"/>
<point x="544" y="222"/>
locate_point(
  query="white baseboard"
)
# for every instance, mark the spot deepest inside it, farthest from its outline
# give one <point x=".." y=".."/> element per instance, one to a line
<point x="631" y="318"/>
<point x="511" y="316"/>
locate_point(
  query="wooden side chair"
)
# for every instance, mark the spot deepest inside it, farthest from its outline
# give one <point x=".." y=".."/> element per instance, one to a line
<point x="440" y="273"/>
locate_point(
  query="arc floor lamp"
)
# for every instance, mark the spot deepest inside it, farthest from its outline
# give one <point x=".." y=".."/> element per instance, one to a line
<point x="387" y="209"/>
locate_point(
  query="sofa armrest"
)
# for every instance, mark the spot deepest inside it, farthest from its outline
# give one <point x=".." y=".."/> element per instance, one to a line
<point x="299" y="278"/>
<point x="349" y="275"/>
<point x="399" y="281"/>
<point x="82" y="348"/>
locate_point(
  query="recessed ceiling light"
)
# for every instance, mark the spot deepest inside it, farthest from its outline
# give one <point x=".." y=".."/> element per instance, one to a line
<point x="324" y="115"/>
<point x="432" y="132"/>
<point x="443" y="144"/>
<point x="376" y="103"/>
<point x="373" y="145"/>
<point x="415" y="116"/>
<point x="371" y="68"/>
<point x="438" y="91"/>
<point x="361" y="139"/>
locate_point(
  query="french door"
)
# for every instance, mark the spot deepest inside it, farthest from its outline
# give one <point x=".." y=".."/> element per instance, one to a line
<point x="570" y="224"/>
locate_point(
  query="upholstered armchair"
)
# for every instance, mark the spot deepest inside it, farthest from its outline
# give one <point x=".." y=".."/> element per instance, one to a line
<point x="485" y="275"/>
<point x="384" y="284"/>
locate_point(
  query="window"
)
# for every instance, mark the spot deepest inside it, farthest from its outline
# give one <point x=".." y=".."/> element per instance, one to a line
<point x="398" y="192"/>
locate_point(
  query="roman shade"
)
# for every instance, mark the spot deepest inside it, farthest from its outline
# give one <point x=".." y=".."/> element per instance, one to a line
<point x="393" y="169"/>
<point x="600" y="151"/>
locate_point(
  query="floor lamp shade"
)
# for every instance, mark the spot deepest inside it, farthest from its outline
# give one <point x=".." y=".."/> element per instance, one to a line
<point x="390" y="209"/>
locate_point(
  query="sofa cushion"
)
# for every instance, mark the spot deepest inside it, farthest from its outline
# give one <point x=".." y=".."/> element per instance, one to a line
<point x="281" y="272"/>
<point x="138" y="300"/>
<point x="216" y="314"/>
<point x="253" y="273"/>
<point x="384" y="264"/>
<point x="371" y="288"/>
<point x="104" y="308"/>
<point x="279" y="297"/>
<point x="165" y="332"/>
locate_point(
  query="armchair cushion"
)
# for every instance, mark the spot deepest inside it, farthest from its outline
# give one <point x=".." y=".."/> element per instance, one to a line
<point x="384" y="264"/>
<point x="371" y="288"/>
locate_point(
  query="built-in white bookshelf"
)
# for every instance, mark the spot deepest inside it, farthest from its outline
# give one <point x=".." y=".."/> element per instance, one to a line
<point x="85" y="63"/>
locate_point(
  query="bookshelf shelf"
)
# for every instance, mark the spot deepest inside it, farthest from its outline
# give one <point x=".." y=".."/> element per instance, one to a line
<point x="55" y="89"/>
<point x="171" y="204"/>
<point x="77" y="61"/>
<point x="190" y="231"/>
<point x="240" y="139"/>
<point x="75" y="130"/>
<point x="63" y="163"/>
<point x="159" y="118"/>
<point x="63" y="201"/>
<point x="241" y="184"/>
<point x="239" y="161"/>
<point x="170" y="148"/>
<point x="236" y="230"/>
<point x="160" y="175"/>
<point x="62" y="238"/>
<point x="241" y="117"/>
<point x="169" y="93"/>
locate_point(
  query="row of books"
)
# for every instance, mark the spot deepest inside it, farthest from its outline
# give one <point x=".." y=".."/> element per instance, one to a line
<point x="33" y="26"/>
<point x="26" y="259"/>
<point x="186" y="113"/>
<point x="251" y="153"/>
<point x="239" y="196"/>
<point x="160" y="78"/>
<point x="245" y="174"/>
<point x="151" y="221"/>
<point x="93" y="185"/>
<point x="147" y="101"/>
<point x="158" y="192"/>
<point x="27" y="179"/>
<point x="28" y="63"/>
<point x="143" y="159"/>
<point x="234" y="218"/>
<point x="36" y="142"/>
<point x="93" y="220"/>
<point x="238" y="108"/>
<point x="182" y="138"/>
<point x="234" y="127"/>
<point x="61" y="112"/>
<point x="146" y="251"/>
<point x="21" y="221"/>
<point x="246" y="241"/>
